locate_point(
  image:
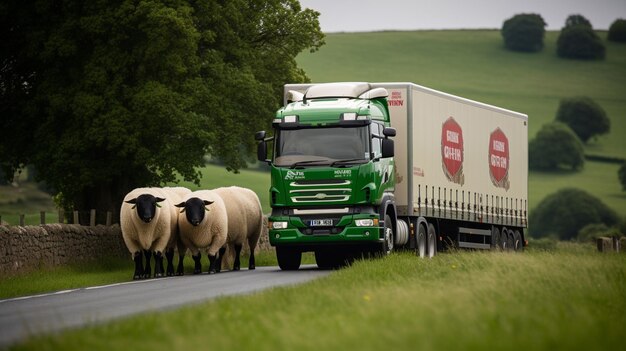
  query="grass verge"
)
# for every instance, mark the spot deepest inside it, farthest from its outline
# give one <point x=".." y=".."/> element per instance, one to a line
<point x="567" y="298"/>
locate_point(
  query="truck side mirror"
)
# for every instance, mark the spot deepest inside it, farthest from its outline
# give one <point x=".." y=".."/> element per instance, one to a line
<point x="387" y="148"/>
<point x="259" y="135"/>
<point x="261" y="151"/>
<point x="389" y="132"/>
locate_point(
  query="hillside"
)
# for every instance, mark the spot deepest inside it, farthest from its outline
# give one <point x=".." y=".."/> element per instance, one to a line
<point x="474" y="64"/>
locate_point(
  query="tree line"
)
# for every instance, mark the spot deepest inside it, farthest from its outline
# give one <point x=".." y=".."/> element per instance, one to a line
<point x="104" y="96"/>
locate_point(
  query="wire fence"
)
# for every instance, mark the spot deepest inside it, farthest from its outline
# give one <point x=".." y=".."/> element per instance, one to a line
<point x="86" y="218"/>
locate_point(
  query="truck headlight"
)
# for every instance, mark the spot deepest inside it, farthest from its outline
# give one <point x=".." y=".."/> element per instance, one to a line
<point x="369" y="222"/>
<point x="278" y="225"/>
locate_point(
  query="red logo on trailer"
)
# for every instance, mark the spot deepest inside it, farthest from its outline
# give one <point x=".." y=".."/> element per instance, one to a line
<point x="499" y="159"/>
<point x="452" y="151"/>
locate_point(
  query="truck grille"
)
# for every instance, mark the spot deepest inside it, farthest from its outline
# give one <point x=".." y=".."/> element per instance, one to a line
<point x="332" y="190"/>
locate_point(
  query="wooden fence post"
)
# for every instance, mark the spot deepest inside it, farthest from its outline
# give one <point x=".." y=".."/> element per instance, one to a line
<point x="109" y="218"/>
<point x="42" y="217"/>
<point x="92" y="218"/>
<point x="21" y="220"/>
<point x="76" y="221"/>
<point x="61" y="216"/>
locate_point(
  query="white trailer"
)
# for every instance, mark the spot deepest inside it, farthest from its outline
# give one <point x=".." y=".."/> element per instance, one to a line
<point x="461" y="165"/>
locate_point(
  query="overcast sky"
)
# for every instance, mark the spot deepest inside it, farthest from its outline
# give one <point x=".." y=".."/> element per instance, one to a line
<point x="371" y="15"/>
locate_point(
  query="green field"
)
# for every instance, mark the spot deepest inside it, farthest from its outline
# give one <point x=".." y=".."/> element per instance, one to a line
<point x="570" y="298"/>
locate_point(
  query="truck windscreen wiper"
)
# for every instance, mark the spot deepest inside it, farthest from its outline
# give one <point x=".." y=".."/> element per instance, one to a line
<point x="338" y="162"/>
<point x="300" y="163"/>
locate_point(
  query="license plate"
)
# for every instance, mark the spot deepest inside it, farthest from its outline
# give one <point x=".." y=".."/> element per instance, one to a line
<point x="321" y="223"/>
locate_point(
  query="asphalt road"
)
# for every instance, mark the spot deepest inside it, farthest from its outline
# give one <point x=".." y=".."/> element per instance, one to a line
<point x="26" y="316"/>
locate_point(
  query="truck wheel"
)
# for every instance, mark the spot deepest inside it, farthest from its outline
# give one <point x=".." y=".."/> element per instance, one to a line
<point x="517" y="239"/>
<point x="325" y="259"/>
<point x="432" y="241"/>
<point x="495" y="239"/>
<point x="388" y="237"/>
<point x="288" y="258"/>
<point x="421" y="241"/>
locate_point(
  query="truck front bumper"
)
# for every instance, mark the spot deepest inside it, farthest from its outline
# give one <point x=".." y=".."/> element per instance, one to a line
<point x="350" y="229"/>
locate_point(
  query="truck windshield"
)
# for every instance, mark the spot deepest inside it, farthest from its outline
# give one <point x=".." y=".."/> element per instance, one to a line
<point x="322" y="146"/>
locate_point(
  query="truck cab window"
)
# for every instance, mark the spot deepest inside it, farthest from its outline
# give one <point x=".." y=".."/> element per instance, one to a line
<point x="377" y="134"/>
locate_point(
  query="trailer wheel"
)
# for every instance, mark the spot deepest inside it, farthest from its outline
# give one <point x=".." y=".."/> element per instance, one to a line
<point x="495" y="239"/>
<point x="388" y="237"/>
<point x="432" y="241"/>
<point x="518" y="244"/>
<point x="504" y="241"/>
<point x="510" y="244"/>
<point x="421" y="241"/>
<point x="288" y="258"/>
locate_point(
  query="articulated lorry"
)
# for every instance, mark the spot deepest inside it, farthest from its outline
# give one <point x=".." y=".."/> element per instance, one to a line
<point x="366" y="168"/>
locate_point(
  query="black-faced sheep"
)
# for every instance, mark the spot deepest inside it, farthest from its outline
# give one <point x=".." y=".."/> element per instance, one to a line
<point x="245" y="221"/>
<point x="149" y="223"/>
<point x="203" y="224"/>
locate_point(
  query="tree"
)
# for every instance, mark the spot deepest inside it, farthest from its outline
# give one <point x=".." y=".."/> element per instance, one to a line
<point x="621" y="174"/>
<point x="105" y="96"/>
<point x="555" y="146"/>
<point x="567" y="211"/>
<point x="577" y="20"/>
<point x="617" y="31"/>
<point x="578" y="40"/>
<point x="524" y="32"/>
<point x="586" y="118"/>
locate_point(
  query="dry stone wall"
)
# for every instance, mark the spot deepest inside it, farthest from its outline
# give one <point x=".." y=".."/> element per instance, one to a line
<point x="33" y="247"/>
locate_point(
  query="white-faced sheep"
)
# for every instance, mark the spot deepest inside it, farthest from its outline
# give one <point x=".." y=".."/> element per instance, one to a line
<point x="149" y="223"/>
<point x="203" y="224"/>
<point x="245" y="221"/>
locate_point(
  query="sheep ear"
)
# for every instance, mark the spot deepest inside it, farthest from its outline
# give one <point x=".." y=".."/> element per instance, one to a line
<point x="182" y="204"/>
<point x="159" y="199"/>
<point x="207" y="203"/>
<point x="131" y="201"/>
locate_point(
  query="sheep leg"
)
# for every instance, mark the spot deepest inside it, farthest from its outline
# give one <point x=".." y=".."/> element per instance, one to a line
<point x="220" y="256"/>
<point x="237" y="264"/>
<point x="158" y="264"/>
<point x="180" y="270"/>
<point x="197" y="269"/>
<point x="213" y="264"/>
<point x="147" y="272"/>
<point x="251" y="263"/>
<point x="169" y="254"/>
<point x="138" y="258"/>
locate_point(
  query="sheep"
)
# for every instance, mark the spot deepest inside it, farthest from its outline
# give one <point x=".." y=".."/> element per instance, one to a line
<point x="203" y="224"/>
<point x="148" y="220"/>
<point x="245" y="221"/>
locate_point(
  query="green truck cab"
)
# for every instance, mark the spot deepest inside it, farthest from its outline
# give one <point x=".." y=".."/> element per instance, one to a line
<point x="332" y="174"/>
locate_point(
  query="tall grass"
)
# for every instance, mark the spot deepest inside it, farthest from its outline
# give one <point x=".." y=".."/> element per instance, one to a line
<point x="571" y="298"/>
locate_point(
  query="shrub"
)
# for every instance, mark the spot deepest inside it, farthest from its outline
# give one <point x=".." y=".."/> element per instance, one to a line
<point x="584" y="116"/>
<point x="578" y="40"/>
<point x="524" y="32"/>
<point x="617" y="31"/>
<point x="567" y="211"/>
<point x="555" y="146"/>
<point x="590" y="232"/>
